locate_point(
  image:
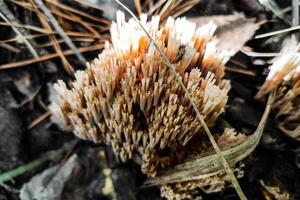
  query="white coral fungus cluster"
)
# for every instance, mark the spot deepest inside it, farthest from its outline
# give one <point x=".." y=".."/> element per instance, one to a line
<point x="284" y="77"/>
<point x="129" y="99"/>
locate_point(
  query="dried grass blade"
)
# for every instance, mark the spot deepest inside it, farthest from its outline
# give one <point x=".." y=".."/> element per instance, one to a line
<point x="201" y="166"/>
<point x="212" y="140"/>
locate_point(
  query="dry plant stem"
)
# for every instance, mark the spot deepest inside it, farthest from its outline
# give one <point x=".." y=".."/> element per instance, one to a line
<point x="26" y="42"/>
<point x="277" y="32"/>
<point x="60" y="30"/>
<point x="213" y="142"/>
<point x="207" y="165"/>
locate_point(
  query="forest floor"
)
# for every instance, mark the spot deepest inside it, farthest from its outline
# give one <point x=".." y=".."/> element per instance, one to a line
<point x="91" y="171"/>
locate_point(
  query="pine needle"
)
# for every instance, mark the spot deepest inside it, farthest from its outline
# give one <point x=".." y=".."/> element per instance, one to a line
<point x="50" y="56"/>
<point x="277" y="32"/>
<point x="226" y="166"/>
<point x="23" y="39"/>
<point x="60" y="30"/>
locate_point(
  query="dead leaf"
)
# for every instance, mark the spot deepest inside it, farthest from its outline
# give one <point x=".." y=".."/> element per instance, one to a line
<point x="35" y="188"/>
<point x="233" y="30"/>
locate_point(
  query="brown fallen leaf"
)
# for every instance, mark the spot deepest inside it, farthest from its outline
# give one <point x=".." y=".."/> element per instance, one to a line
<point x="233" y="30"/>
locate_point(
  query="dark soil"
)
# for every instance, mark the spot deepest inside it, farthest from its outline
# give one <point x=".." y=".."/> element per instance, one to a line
<point x="24" y="90"/>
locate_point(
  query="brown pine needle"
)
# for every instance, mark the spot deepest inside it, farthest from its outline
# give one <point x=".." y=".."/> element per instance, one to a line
<point x="29" y="27"/>
<point x="67" y="66"/>
<point x="60" y="30"/>
<point x="80" y="13"/>
<point x="240" y="71"/>
<point x="138" y="7"/>
<point x="50" y="44"/>
<point x="86" y="3"/>
<point x="38" y="120"/>
<point x="50" y="56"/>
<point x="155" y="7"/>
<point x="23" y="39"/>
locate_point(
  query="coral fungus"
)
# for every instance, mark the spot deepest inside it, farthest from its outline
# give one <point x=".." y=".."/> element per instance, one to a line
<point x="128" y="98"/>
<point x="284" y="77"/>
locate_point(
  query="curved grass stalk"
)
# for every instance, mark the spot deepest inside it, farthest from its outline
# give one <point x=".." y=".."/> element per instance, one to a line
<point x="208" y="164"/>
